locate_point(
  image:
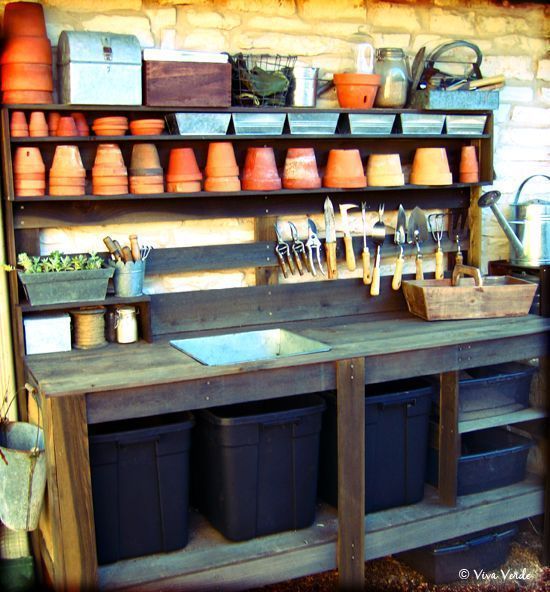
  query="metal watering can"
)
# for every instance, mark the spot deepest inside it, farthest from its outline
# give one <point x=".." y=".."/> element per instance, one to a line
<point x="531" y="243"/>
<point x="305" y="86"/>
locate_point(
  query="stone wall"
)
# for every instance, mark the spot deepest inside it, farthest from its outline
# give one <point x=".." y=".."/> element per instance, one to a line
<point x="513" y="38"/>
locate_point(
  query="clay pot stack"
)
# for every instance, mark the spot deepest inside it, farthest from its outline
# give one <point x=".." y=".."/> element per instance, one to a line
<point x="109" y="173"/>
<point x="384" y="170"/>
<point x="183" y="175"/>
<point x="66" y="126"/>
<point x="145" y="170"/>
<point x="38" y="126"/>
<point x="146" y="127"/>
<point x="29" y="172"/>
<point x="110" y="126"/>
<point x="67" y="173"/>
<point x="469" y="166"/>
<point x="300" y="170"/>
<point x="260" y="170"/>
<point x="27" y="57"/>
<point x="430" y="167"/>
<point x="222" y="171"/>
<point x="344" y="169"/>
<point x="18" y="125"/>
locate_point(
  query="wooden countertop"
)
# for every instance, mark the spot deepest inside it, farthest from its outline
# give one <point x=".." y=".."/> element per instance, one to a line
<point x="141" y="364"/>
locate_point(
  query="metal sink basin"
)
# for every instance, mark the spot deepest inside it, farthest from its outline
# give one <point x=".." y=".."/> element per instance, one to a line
<point x="248" y="346"/>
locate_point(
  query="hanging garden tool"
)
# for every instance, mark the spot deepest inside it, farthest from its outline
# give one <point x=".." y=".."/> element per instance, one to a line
<point x="298" y="250"/>
<point x="436" y="228"/>
<point x="313" y="246"/>
<point x="348" y="241"/>
<point x="330" y="240"/>
<point x="282" y="251"/>
<point x="378" y="236"/>
<point x="417" y="233"/>
<point x="399" y="239"/>
<point x="367" y="277"/>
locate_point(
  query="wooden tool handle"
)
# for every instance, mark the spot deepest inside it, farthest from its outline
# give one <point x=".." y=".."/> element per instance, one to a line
<point x="299" y="265"/>
<point x="332" y="266"/>
<point x="350" y="255"/>
<point x="127" y="254"/>
<point x="109" y="243"/>
<point x="486" y="81"/>
<point x="459" y="259"/>
<point x="439" y="264"/>
<point x="367" y="277"/>
<point x="282" y="265"/>
<point x="419" y="270"/>
<point x="396" y="281"/>
<point x="375" y="285"/>
<point x="291" y="265"/>
<point x="134" y="246"/>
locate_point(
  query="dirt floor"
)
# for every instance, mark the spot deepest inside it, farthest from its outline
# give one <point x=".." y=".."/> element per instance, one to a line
<point x="391" y="575"/>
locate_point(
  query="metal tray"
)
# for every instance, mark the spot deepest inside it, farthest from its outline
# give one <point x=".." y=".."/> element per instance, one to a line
<point x="198" y="124"/>
<point x="371" y="124"/>
<point x="251" y="124"/>
<point x="467" y="125"/>
<point x="422" y="123"/>
<point x="312" y="123"/>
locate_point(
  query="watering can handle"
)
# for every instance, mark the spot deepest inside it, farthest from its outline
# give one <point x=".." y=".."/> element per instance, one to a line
<point x="520" y="188"/>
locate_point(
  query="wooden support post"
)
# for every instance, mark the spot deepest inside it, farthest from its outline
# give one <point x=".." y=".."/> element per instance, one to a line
<point x="264" y="231"/>
<point x="449" y="437"/>
<point x="350" y="382"/>
<point x="70" y="493"/>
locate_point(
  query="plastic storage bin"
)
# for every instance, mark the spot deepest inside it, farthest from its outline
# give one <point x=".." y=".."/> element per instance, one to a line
<point x="140" y="485"/>
<point x="492" y="390"/>
<point x="489" y="459"/>
<point x="441" y="563"/>
<point x="256" y="465"/>
<point x="396" y="441"/>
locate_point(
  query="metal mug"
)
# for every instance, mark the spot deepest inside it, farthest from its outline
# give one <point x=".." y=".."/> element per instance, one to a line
<point x="305" y="86"/>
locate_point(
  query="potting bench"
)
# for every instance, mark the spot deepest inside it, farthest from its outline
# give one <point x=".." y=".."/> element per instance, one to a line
<point x="372" y="340"/>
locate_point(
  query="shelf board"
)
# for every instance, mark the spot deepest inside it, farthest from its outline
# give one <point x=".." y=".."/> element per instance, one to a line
<point x="499" y="420"/>
<point x="210" y="559"/>
<point x="108" y="301"/>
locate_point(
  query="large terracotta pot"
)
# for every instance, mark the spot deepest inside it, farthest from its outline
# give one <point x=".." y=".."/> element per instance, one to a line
<point x="260" y="170"/>
<point x="356" y="91"/>
<point x="344" y="169"/>
<point x="300" y="170"/>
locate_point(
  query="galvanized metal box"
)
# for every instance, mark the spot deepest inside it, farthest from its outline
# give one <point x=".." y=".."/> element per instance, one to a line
<point x="99" y="68"/>
<point x="47" y="333"/>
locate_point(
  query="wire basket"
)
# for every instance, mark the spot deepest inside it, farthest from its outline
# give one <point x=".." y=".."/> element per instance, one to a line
<point x="261" y="79"/>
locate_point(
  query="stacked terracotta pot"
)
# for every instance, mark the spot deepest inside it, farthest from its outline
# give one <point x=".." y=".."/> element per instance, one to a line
<point x="145" y="170"/>
<point x="115" y="125"/>
<point x="19" y="127"/>
<point x="109" y="173"/>
<point x="260" y="170"/>
<point x="38" y="126"/>
<point x="222" y="171"/>
<point x="300" y="170"/>
<point x="469" y="166"/>
<point x="29" y="172"/>
<point x="67" y="173"/>
<point x="66" y="126"/>
<point x="147" y="127"/>
<point x="183" y="175"/>
<point x="27" y="56"/>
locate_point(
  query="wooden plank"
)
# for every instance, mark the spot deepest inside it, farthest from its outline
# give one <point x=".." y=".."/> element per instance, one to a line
<point x="350" y="402"/>
<point x="475" y="218"/>
<point x="480" y="353"/>
<point x="473" y="425"/>
<point x="449" y="438"/>
<point x="264" y="237"/>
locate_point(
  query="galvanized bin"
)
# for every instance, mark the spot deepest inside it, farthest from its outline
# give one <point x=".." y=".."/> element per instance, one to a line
<point x="99" y="68"/>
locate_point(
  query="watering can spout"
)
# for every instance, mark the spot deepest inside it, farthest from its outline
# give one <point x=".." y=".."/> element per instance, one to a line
<point x="489" y="200"/>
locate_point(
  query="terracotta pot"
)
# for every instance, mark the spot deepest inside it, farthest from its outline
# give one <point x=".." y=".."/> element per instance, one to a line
<point x="182" y="166"/>
<point x="81" y="124"/>
<point x="27" y="97"/>
<point x="146" y="127"/>
<point x="28" y="160"/>
<point x="142" y="185"/>
<point x="145" y="156"/>
<point x="260" y="170"/>
<point x="344" y="169"/>
<point x="23" y="191"/>
<point x="110" y="126"/>
<point x="66" y="126"/>
<point x="25" y="176"/>
<point x="384" y="170"/>
<point x="53" y="122"/>
<point x="27" y="50"/>
<point x="38" y="127"/>
<point x="67" y="163"/>
<point x="183" y="186"/>
<point x="24" y="18"/>
<point x="430" y="167"/>
<point x="109" y="155"/>
<point x="110" y="189"/>
<point x="18" y="125"/>
<point x="145" y="172"/>
<point x="61" y="181"/>
<point x="36" y="77"/>
<point x="356" y="91"/>
<point x="67" y="190"/>
<point x="147" y="179"/>
<point x="110" y="131"/>
<point x="225" y="184"/>
<point x="114" y="179"/>
<point x="469" y="167"/>
<point x="300" y="170"/>
<point x="221" y="161"/>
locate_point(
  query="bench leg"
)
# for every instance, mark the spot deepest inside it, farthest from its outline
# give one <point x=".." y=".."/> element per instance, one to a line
<point x="449" y="438"/>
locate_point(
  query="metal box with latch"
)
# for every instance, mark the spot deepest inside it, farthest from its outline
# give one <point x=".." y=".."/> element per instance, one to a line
<point x="99" y="68"/>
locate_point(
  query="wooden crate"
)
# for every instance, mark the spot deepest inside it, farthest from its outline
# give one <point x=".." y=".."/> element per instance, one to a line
<point x="437" y="300"/>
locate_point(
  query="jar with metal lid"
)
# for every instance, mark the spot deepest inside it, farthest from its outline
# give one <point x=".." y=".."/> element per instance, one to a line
<point x="391" y="64"/>
<point x="126" y="325"/>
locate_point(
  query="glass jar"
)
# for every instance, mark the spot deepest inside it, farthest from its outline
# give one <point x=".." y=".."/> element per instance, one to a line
<point x="394" y="84"/>
<point x="126" y="325"/>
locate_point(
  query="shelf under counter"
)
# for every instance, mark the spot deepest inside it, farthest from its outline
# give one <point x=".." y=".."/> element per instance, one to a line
<point x="529" y="414"/>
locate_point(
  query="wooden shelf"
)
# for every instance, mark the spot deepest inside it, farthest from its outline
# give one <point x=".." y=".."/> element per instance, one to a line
<point x="108" y="301"/>
<point x="473" y="425"/>
<point x="210" y="559"/>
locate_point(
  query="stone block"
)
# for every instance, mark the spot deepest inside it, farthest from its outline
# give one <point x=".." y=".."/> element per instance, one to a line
<point x="519" y="45"/>
<point x="207" y="19"/>
<point x="394" y="16"/>
<point x="284" y="24"/>
<point x="129" y="25"/>
<point x="530" y="116"/>
<point x="516" y="94"/>
<point x="543" y="70"/>
<point x="494" y="25"/>
<point x="518" y="67"/>
<point x="304" y="45"/>
<point x="99" y="6"/>
<point x="275" y="7"/>
<point x="323" y="10"/>
<point x="401" y="40"/>
<point x="524" y="136"/>
<point x="456" y="23"/>
<point x="199" y="39"/>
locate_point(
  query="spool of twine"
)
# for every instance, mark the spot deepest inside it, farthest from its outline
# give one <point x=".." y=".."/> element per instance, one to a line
<point x="89" y="327"/>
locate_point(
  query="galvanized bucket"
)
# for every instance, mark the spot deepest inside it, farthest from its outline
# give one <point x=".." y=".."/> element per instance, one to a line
<point x="128" y="278"/>
<point x="22" y="474"/>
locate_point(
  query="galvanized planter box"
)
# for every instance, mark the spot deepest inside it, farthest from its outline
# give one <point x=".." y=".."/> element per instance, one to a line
<point x="99" y="68"/>
<point x="66" y="286"/>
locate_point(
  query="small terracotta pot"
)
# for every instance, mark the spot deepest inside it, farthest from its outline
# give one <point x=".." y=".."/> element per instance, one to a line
<point x="146" y="172"/>
<point x="110" y="131"/>
<point x="66" y="126"/>
<point x="145" y="156"/>
<point x="53" y="122"/>
<point x="146" y="127"/>
<point x="109" y="155"/>
<point x="300" y="170"/>
<point x="384" y="170"/>
<point x="260" y="170"/>
<point x="24" y="191"/>
<point x="38" y="127"/>
<point x="67" y="162"/>
<point x="27" y="97"/>
<point x="18" y="125"/>
<point x="121" y="189"/>
<point x="110" y="126"/>
<point x="28" y="160"/>
<point x="104" y="180"/>
<point x="183" y="186"/>
<point x="25" y="176"/>
<point x="36" y="77"/>
<point x="67" y="190"/>
<point x="27" y="50"/>
<point x="143" y="185"/>
<point x="344" y="169"/>
<point x="61" y="181"/>
<point x="221" y="161"/>
<point x="24" y="18"/>
<point x="225" y="184"/>
<point x="182" y="166"/>
<point x="81" y="124"/>
<point x="430" y="167"/>
<point x="356" y="91"/>
<point x="469" y="167"/>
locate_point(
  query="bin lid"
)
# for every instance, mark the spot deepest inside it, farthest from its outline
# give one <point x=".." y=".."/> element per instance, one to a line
<point x="98" y="47"/>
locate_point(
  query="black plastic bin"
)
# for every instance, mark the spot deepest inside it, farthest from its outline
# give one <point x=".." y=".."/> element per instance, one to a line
<point x="140" y="485"/>
<point x="396" y="440"/>
<point x="492" y="390"/>
<point x="255" y="465"/>
<point x="443" y="562"/>
<point x="489" y="459"/>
